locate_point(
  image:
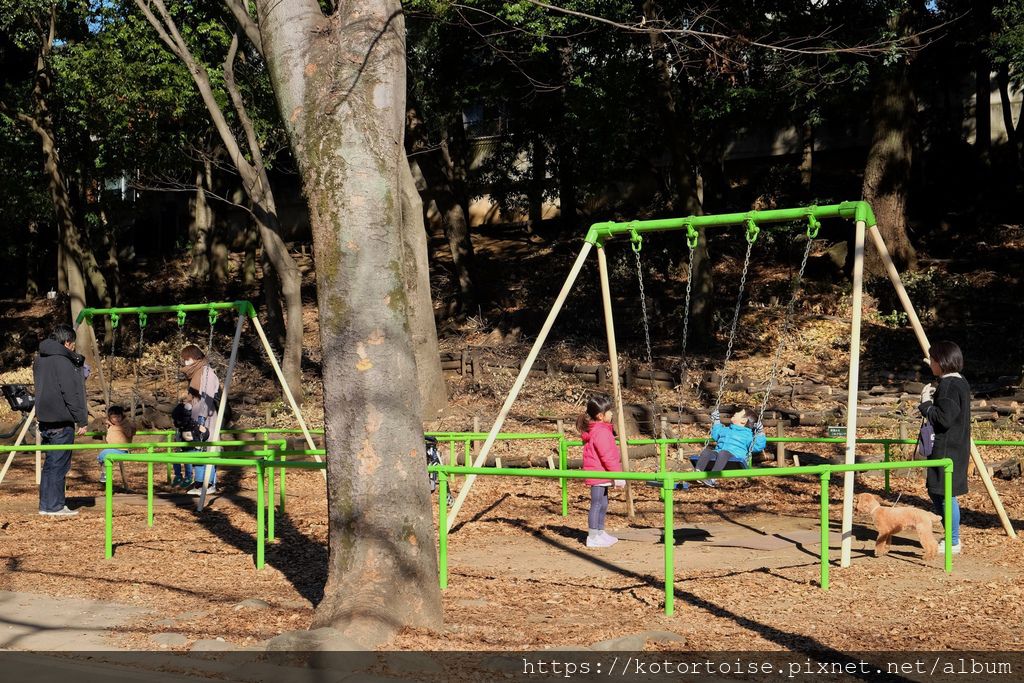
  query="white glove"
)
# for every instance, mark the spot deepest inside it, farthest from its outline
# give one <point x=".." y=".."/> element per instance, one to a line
<point x="716" y="416"/>
<point x="758" y="428"/>
<point x="620" y="483"/>
<point x="927" y="393"/>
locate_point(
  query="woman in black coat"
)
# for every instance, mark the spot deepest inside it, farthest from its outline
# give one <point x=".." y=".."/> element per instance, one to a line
<point x="948" y="409"/>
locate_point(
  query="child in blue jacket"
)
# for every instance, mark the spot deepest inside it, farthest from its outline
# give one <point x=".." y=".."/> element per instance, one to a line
<point x="741" y="437"/>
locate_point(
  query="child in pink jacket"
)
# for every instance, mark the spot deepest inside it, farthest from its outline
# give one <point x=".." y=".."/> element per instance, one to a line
<point x="600" y="454"/>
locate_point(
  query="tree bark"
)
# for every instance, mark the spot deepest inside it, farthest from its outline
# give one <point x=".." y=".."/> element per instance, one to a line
<point x="890" y="157"/>
<point x="807" y="155"/>
<point x="442" y="177"/>
<point x="568" y="204"/>
<point x="430" y="377"/>
<point x="538" y="175"/>
<point x="340" y="86"/>
<point x="1013" y="136"/>
<point x="200" y="228"/>
<point x="76" y="264"/>
<point x="685" y="199"/>
<point x="982" y="13"/>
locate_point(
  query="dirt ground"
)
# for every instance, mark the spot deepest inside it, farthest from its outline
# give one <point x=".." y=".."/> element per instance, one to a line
<point x="521" y="578"/>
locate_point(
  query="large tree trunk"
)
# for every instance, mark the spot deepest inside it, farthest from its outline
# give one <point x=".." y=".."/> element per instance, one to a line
<point x="75" y="257"/>
<point x="685" y="200"/>
<point x="444" y="185"/>
<point x="887" y="173"/>
<point x="982" y="14"/>
<point x="201" y="226"/>
<point x="538" y="179"/>
<point x="568" y="204"/>
<point x="1013" y="134"/>
<point x="430" y="376"/>
<point x="340" y="85"/>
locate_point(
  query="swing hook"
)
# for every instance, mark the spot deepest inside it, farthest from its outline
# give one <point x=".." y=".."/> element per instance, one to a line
<point x="813" y="225"/>
<point x="214" y="314"/>
<point x="636" y="240"/>
<point x="87" y="319"/>
<point x="181" y="318"/>
<point x="115" y="320"/>
<point x="143" y="319"/>
<point x="752" y="231"/>
<point x="691" y="236"/>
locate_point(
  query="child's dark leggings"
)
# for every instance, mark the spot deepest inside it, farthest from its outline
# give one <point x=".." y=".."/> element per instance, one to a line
<point x="598" y="507"/>
<point x="721" y="458"/>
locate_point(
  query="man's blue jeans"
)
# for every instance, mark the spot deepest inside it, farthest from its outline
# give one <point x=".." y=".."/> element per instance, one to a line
<point x="938" y="500"/>
<point x="185" y="473"/>
<point x="55" y="468"/>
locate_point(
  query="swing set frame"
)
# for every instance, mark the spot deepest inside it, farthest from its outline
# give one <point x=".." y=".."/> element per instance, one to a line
<point x="860" y="212"/>
<point x="245" y="311"/>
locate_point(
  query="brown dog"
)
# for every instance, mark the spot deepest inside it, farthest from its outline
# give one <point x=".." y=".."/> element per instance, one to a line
<point x="889" y="521"/>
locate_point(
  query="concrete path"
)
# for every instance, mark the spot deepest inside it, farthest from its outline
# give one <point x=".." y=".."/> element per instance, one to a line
<point x="29" y="621"/>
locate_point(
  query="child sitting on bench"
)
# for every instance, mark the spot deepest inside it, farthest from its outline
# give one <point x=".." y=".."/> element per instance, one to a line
<point x="733" y="442"/>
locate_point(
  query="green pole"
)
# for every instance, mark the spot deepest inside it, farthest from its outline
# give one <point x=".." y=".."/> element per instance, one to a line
<point x="825" y="476"/>
<point x="284" y="471"/>
<point x="563" y="464"/>
<point x="108" y="513"/>
<point x="885" y="458"/>
<point x="670" y="546"/>
<point x="170" y="467"/>
<point x="270" y="500"/>
<point x="662" y="455"/>
<point x="442" y="529"/>
<point x="149" y="494"/>
<point x="948" y="521"/>
<point x="260" y="476"/>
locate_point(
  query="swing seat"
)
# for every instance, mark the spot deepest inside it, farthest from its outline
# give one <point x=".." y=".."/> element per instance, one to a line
<point x="734" y="463"/>
<point x="679" y="485"/>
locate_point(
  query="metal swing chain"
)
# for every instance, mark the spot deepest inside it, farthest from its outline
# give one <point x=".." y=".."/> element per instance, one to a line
<point x="143" y="319"/>
<point x="691" y="243"/>
<point x="115" y="320"/>
<point x="735" y="324"/>
<point x="787" y="320"/>
<point x="656" y="416"/>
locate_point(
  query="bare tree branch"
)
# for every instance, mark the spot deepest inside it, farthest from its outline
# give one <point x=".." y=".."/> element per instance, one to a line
<point x="240" y="10"/>
<point x="804" y="45"/>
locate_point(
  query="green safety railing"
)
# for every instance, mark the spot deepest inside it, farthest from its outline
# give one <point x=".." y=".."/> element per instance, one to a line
<point x="265" y="461"/>
<point x="668" y="481"/>
<point x="663" y="445"/>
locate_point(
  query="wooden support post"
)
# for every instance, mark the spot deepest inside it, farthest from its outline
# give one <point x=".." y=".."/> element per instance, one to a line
<point x="521" y="379"/>
<point x="284" y="386"/>
<point x="39" y="457"/>
<point x="17" y="442"/>
<point x="218" y="422"/>
<point x="851" y="395"/>
<point x="922" y="340"/>
<point x="613" y="359"/>
<point x="780" y="451"/>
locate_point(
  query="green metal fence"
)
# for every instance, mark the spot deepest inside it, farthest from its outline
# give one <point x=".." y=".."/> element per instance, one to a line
<point x="668" y="482"/>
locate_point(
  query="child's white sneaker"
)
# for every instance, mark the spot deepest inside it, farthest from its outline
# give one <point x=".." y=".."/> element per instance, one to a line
<point x="955" y="549"/>
<point x="602" y="540"/>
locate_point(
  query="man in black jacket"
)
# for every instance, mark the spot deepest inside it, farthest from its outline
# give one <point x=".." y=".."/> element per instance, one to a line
<point x="61" y="411"/>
